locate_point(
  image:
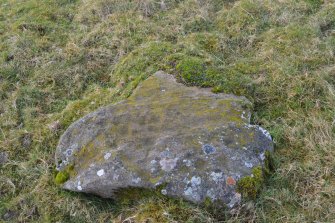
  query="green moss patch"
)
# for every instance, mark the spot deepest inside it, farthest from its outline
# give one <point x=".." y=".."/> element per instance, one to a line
<point x="65" y="174"/>
<point x="250" y="186"/>
<point x="62" y="177"/>
<point x="192" y="70"/>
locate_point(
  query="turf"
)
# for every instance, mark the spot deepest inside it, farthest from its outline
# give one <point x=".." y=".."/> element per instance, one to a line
<point x="60" y="60"/>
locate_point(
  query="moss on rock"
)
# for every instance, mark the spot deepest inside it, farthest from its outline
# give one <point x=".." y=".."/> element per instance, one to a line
<point x="65" y="174"/>
<point x="62" y="177"/>
<point x="250" y="186"/>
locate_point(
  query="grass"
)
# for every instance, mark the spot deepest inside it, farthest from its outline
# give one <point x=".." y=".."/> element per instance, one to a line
<point x="60" y="60"/>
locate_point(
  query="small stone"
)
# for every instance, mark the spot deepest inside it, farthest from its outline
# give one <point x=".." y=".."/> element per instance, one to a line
<point x="3" y="158"/>
<point x="163" y="5"/>
<point x="54" y="126"/>
<point x="9" y="215"/>
<point x="26" y="140"/>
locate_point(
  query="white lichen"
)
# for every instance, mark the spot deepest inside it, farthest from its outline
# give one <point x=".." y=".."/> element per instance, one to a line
<point x="168" y="164"/>
<point x="193" y="187"/>
<point x="195" y="181"/>
<point x="107" y="156"/>
<point x="266" y="133"/>
<point x="188" y="163"/>
<point x="188" y="191"/>
<point x="249" y="165"/>
<point x="136" y="180"/>
<point x="100" y="172"/>
<point x="79" y="187"/>
<point x="217" y="177"/>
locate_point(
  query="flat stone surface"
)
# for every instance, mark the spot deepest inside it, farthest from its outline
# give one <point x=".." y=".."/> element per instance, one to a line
<point x="192" y="142"/>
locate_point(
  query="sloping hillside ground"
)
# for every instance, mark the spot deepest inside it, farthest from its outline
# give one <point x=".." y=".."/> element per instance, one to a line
<point x="62" y="59"/>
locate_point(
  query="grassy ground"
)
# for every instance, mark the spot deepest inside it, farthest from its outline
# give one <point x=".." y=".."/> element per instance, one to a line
<point x="62" y="59"/>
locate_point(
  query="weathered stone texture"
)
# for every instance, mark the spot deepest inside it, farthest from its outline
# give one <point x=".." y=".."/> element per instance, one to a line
<point x="195" y="143"/>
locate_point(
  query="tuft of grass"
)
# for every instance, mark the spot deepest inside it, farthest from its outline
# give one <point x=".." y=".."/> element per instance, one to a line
<point x="192" y="70"/>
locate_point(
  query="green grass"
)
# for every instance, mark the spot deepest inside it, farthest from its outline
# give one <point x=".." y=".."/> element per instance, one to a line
<point x="60" y="60"/>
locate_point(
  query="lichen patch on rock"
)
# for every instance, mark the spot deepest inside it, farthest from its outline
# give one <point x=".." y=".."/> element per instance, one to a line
<point x="100" y="172"/>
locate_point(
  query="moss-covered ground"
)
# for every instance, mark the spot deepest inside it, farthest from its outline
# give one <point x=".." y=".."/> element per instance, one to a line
<point x="62" y="59"/>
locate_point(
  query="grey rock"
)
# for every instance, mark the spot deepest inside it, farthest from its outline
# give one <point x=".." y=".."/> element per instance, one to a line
<point x="163" y="5"/>
<point x="9" y="215"/>
<point x="193" y="143"/>
<point x="54" y="126"/>
<point x="26" y="140"/>
<point x="3" y="158"/>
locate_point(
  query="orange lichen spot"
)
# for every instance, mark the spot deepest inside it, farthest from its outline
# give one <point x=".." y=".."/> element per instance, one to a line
<point x="231" y="181"/>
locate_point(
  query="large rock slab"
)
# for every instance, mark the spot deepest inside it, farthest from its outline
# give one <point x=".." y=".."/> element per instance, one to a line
<point x="193" y="143"/>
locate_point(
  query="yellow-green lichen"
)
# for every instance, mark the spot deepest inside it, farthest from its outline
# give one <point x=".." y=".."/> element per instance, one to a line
<point x="88" y="154"/>
<point x="62" y="177"/>
<point x="65" y="174"/>
<point x="250" y="186"/>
